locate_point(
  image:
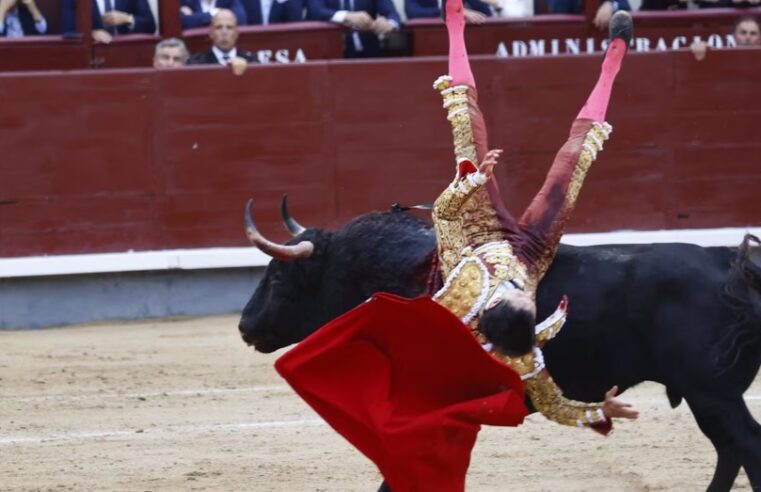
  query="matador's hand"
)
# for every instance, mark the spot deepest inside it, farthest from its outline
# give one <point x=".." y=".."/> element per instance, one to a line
<point x="490" y="160"/>
<point x="613" y="408"/>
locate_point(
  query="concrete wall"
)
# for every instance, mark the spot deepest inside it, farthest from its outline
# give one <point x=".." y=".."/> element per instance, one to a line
<point x="39" y="302"/>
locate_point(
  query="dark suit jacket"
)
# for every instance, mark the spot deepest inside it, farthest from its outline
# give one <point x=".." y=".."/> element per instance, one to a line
<point x="208" y="57"/>
<point x="199" y="18"/>
<point x="281" y="11"/>
<point x="323" y="10"/>
<point x="144" y="21"/>
<point x="417" y="9"/>
<point x="575" y="7"/>
<point x="27" y="22"/>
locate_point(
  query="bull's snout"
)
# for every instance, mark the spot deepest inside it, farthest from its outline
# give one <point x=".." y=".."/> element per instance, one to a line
<point x="260" y="343"/>
<point x="244" y="334"/>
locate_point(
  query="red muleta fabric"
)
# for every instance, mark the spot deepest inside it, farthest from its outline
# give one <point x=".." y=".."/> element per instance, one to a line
<point x="407" y="384"/>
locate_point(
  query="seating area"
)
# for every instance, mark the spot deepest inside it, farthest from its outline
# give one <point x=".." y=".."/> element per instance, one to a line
<point x="312" y="40"/>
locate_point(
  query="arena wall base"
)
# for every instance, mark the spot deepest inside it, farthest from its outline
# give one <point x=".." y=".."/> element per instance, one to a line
<point x="47" y="291"/>
<point x="47" y="301"/>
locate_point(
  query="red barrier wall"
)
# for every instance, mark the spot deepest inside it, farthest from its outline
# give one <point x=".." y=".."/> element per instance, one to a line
<point x="142" y="159"/>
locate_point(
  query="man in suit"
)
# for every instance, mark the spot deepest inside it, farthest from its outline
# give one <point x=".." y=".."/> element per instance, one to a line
<point x="476" y="11"/>
<point x="369" y="22"/>
<point x="198" y="13"/>
<point x="224" y="34"/>
<point x="111" y="18"/>
<point x="277" y="11"/>
<point x="605" y="10"/>
<point x="21" y="18"/>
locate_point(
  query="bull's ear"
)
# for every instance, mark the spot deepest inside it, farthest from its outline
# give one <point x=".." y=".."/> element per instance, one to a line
<point x="290" y="223"/>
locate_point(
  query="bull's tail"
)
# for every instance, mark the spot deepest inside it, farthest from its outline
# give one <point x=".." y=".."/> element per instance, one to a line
<point x="743" y="294"/>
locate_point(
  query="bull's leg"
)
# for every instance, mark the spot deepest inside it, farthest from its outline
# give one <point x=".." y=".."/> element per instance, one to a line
<point x="727" y="468"/>
<point x="735" y="435"/>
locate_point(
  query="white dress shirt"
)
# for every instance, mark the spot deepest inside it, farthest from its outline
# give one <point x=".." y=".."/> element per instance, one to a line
<point x="221" y="55"/>
<point x="266" y="9"/>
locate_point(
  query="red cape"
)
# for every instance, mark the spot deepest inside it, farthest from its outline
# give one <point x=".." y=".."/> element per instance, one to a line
<point x="407" y="384"/>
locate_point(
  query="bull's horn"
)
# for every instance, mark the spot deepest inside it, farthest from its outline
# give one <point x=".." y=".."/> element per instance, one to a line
<point x="401" y="208"/>
<point x="278" y="251"/>
<point x="290" y="223"/>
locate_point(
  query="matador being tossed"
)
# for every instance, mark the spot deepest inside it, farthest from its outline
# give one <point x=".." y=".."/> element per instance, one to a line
<point x="407" y="381"/>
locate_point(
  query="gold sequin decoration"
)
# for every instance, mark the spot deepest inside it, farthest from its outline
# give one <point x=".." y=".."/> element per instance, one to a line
<point x="461" y="293"/>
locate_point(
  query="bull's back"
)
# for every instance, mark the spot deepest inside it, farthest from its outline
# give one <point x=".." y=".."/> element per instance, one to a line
<point x="631" y="306"/>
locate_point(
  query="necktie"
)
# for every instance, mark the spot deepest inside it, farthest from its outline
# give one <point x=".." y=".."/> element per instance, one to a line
<point x="108" y="6"/>
<point x="225" y="59"/>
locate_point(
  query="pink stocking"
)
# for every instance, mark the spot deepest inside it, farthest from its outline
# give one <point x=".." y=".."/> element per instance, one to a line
<point x="597" y="104"/>
<point x="459" y="67"/>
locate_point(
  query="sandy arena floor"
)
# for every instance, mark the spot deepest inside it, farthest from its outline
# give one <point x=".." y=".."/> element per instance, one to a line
<point x="184" y="405"/>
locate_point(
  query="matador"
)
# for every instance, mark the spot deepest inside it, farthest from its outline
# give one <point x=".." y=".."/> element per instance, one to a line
<point x="408" y="382"/>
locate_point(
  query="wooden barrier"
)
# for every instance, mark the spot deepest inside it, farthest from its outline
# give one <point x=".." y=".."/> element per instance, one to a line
<point x="143" y="159"/>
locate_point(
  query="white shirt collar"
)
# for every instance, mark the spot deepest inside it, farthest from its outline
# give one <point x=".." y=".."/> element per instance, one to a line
<point x="221" y="54"/>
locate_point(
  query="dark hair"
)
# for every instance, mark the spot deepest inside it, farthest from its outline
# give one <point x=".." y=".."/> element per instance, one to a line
<point x="511" y="330"/>
<point x="744" y="18"/>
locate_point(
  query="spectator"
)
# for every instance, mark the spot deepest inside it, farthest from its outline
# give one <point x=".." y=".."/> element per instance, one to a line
<point x="476" y="11"/>
<point x="21" y="18"/>
<point x="224" y="34"/>
<point x="369" y="21"/>
<point x="111" y="17"/>
<point x="278" y="11"/>
<point x="170" y="53"/>
<point x="746" y="32"/>
<point x="604" y="12"/>
<point x="198" y="13"/>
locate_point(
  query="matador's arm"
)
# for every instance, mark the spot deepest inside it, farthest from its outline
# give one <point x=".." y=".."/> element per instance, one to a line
<point x="548" y="398"/>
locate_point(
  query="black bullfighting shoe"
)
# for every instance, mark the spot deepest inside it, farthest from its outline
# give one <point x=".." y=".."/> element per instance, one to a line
<point x="621" y="26"/>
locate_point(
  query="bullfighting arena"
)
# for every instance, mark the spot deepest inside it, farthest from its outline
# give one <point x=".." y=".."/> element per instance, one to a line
<point x="184" y="405"/>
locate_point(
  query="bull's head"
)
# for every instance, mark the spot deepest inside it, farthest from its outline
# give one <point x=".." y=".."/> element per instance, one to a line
<point x="286" y="305"/>
<point x="319" y="275"/>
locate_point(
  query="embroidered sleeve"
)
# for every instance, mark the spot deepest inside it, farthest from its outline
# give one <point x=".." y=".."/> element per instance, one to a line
<point x="547" y="397"/>
<point x="448" y="222"/>
<point x="549" y="400"/>
<point x="452" y="199"/>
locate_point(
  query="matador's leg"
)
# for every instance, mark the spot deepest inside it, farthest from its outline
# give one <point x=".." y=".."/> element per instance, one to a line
<point x="548" y="213"/>
<point x="470" y="136"/>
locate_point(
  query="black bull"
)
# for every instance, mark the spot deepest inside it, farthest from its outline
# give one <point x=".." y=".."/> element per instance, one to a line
<point x="684" y="316"/>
